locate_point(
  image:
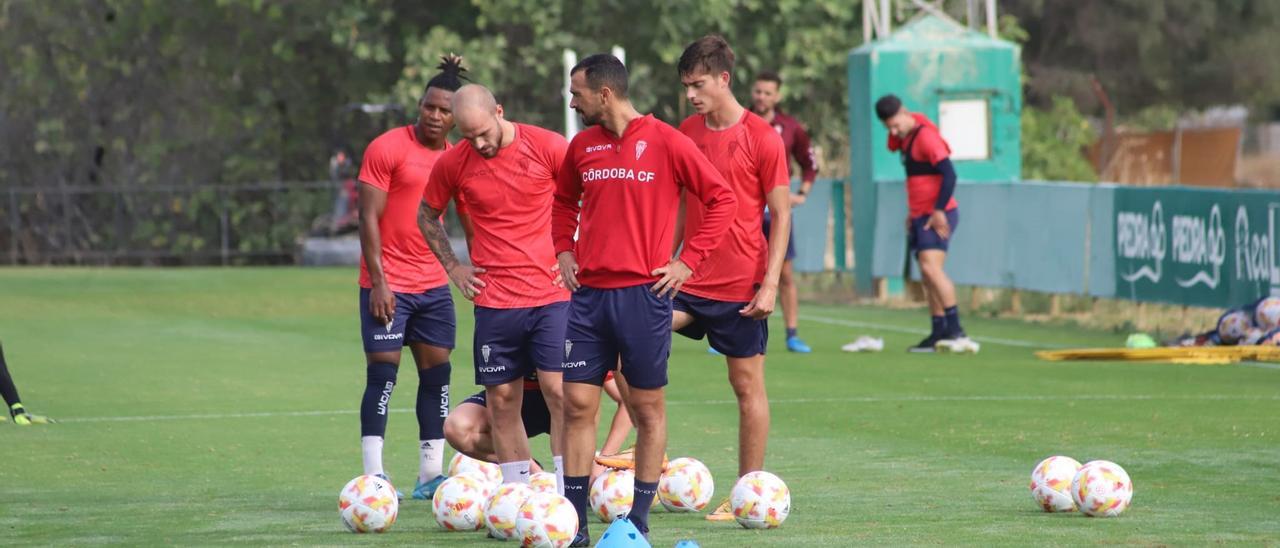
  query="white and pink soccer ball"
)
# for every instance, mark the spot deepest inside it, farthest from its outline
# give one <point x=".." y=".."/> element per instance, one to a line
<point x="1102" y="489"/>
<point x="488" y="471"/>
<point x="368" y="504"/>
<point x="611" y="494"/>
<point x="760" y="500"/>
<point x="685" y="486"/>
<point x="1266" y="314"/>
<point x="503" y="508"/>
<point x="1051" y="483"/>
<point x="543" y="482"/>
<point x="546" y="520"/>
<point x="458" y="503"/>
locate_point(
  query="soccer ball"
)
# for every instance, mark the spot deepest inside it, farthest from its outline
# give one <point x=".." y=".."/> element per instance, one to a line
<point x="1267" y="314"/>
<point x="1233" y="326"/>
<point x="1101" y="489"/>
<point x="543" y="482"/>
<point x="503" y="508"/>
<point x="1272" y="338"/>
<point x="611" y="494"/>
<point x="685" y="486"/>
<point x="459" y="503"/>
<point x="368" y="504"/>
<point x="547" y="520"/>
<point x="1252" y="337"/>
<point x="760" y="500"/>
<point x="488" y="471"/>
<point x="1051" y="483"/>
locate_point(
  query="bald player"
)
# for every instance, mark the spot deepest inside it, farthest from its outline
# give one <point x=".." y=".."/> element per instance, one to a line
<point x="504" y="182"/>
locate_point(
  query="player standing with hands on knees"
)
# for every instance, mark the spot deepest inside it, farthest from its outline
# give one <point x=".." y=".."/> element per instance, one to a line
<point x="404" y="293"/>
<point x="624" y="175"/>
<point x="932" y="217"/>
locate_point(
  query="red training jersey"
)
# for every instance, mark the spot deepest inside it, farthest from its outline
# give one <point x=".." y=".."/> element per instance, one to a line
<point x="396" y="163"/>
<point x="508" y="198"/>
<point x="752" y="158"/>
<point x="925" y="144"/>
<point x="629" y="189"/>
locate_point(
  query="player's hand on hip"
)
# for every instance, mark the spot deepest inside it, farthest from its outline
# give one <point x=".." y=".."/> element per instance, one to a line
<point x="762" y="304"/>
<point x="464" y="276"/>
<point x="797" y="199"/>
<point x="938" y="223"/>
<point x="673" y="277"/>
<point x="382" y="303"/>
<point x="568" y="267"/>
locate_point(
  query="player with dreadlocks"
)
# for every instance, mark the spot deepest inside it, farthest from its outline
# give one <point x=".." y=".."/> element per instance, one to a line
<point x="404" y="292"/>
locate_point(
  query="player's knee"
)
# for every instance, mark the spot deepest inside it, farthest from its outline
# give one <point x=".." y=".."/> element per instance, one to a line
<point x="747" y="386"/>
<point x="457" y="431"/>
<point x="785" y="279"/>
<point x="647" y="415"/>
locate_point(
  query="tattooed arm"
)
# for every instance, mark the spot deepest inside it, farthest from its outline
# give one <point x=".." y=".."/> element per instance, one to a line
<point x="463" y="276"/>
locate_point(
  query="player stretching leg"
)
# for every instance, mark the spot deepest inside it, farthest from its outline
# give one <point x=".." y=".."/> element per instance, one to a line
<point x="504" y="182"/>
<point x="729" y="298"/>
<point x="624" y="174"/>
<point x="932" y="218"/>
<point x="10" y="393"/>
<point x="404" y="293"/>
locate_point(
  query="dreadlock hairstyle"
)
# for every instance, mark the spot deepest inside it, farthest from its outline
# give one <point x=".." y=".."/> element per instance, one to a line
<point x="450" y="77"/>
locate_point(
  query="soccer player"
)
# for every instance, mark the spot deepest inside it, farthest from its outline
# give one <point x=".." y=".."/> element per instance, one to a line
<point x="628" y="170"/>
<point x="404" y="293"/>
<point x="9" y="391"/>
<point x="932" y="217"/>
<point x="766" y="92"/>
<point x="504" y="182"/>
<point x="729" y="298"/>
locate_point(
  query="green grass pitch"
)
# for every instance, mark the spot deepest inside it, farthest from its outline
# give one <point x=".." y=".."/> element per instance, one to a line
<point x="218" y="406"/>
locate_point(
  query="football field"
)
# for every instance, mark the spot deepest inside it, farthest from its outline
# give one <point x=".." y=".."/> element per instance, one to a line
<point x="218" y="406"/>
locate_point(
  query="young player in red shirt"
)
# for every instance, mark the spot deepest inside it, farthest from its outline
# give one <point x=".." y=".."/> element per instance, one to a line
<point x="932" y="217"/>
<point x="504" y="181"/>
<point x="731" y="296"/>
<point x="624" y="175"/>
<point x="766" y="93"/>
<point x="404" y="294"/>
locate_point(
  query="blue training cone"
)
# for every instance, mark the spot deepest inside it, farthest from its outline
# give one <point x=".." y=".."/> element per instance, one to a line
<point x="622" y="534"/>
<point x="687" y="544"/>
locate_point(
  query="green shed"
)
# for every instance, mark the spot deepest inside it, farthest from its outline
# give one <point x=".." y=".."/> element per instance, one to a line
<point x="965" y="81"/>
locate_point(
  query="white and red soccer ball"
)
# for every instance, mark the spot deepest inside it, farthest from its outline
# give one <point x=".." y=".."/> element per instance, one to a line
<point x="612" y="494"/>
<point x="543" y="482"/>
<point x="1102" y="489"/>
<point x="1051" y="483"/>
<point x="503" y="508"/>
<point x="1266" y="314"/>
<point x="368" y="504"/>
<point x="546" y="520"/>
<point x="458" y="503"/>
<point x="488" y="471"/>
<point x="685" y="486"/>
<point x="1233" y="326"/>
<point x="760" y="500"/>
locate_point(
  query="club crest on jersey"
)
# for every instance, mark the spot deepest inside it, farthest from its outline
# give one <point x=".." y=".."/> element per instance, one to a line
<point x="640" y="146"/>
<point x="568" y="347"/>
<point x="484" y="353"/>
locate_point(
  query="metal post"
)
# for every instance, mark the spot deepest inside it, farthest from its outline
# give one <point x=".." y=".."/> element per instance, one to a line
<point x="991" y="19"/>
<point x="570" y="117"/>
<point x="14" y="226"/>
<point x="225" y="229"/>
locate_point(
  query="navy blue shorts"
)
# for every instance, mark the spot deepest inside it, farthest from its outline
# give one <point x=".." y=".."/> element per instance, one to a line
<point x="425" y="317"/>
<point x="729" y="332"/>
<point x="606" y="324"/>
<point x="510" y="343"/>
<point x="534" y="412"/>
<point x="791" y="245"/>
<point x="920" y="239"/>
